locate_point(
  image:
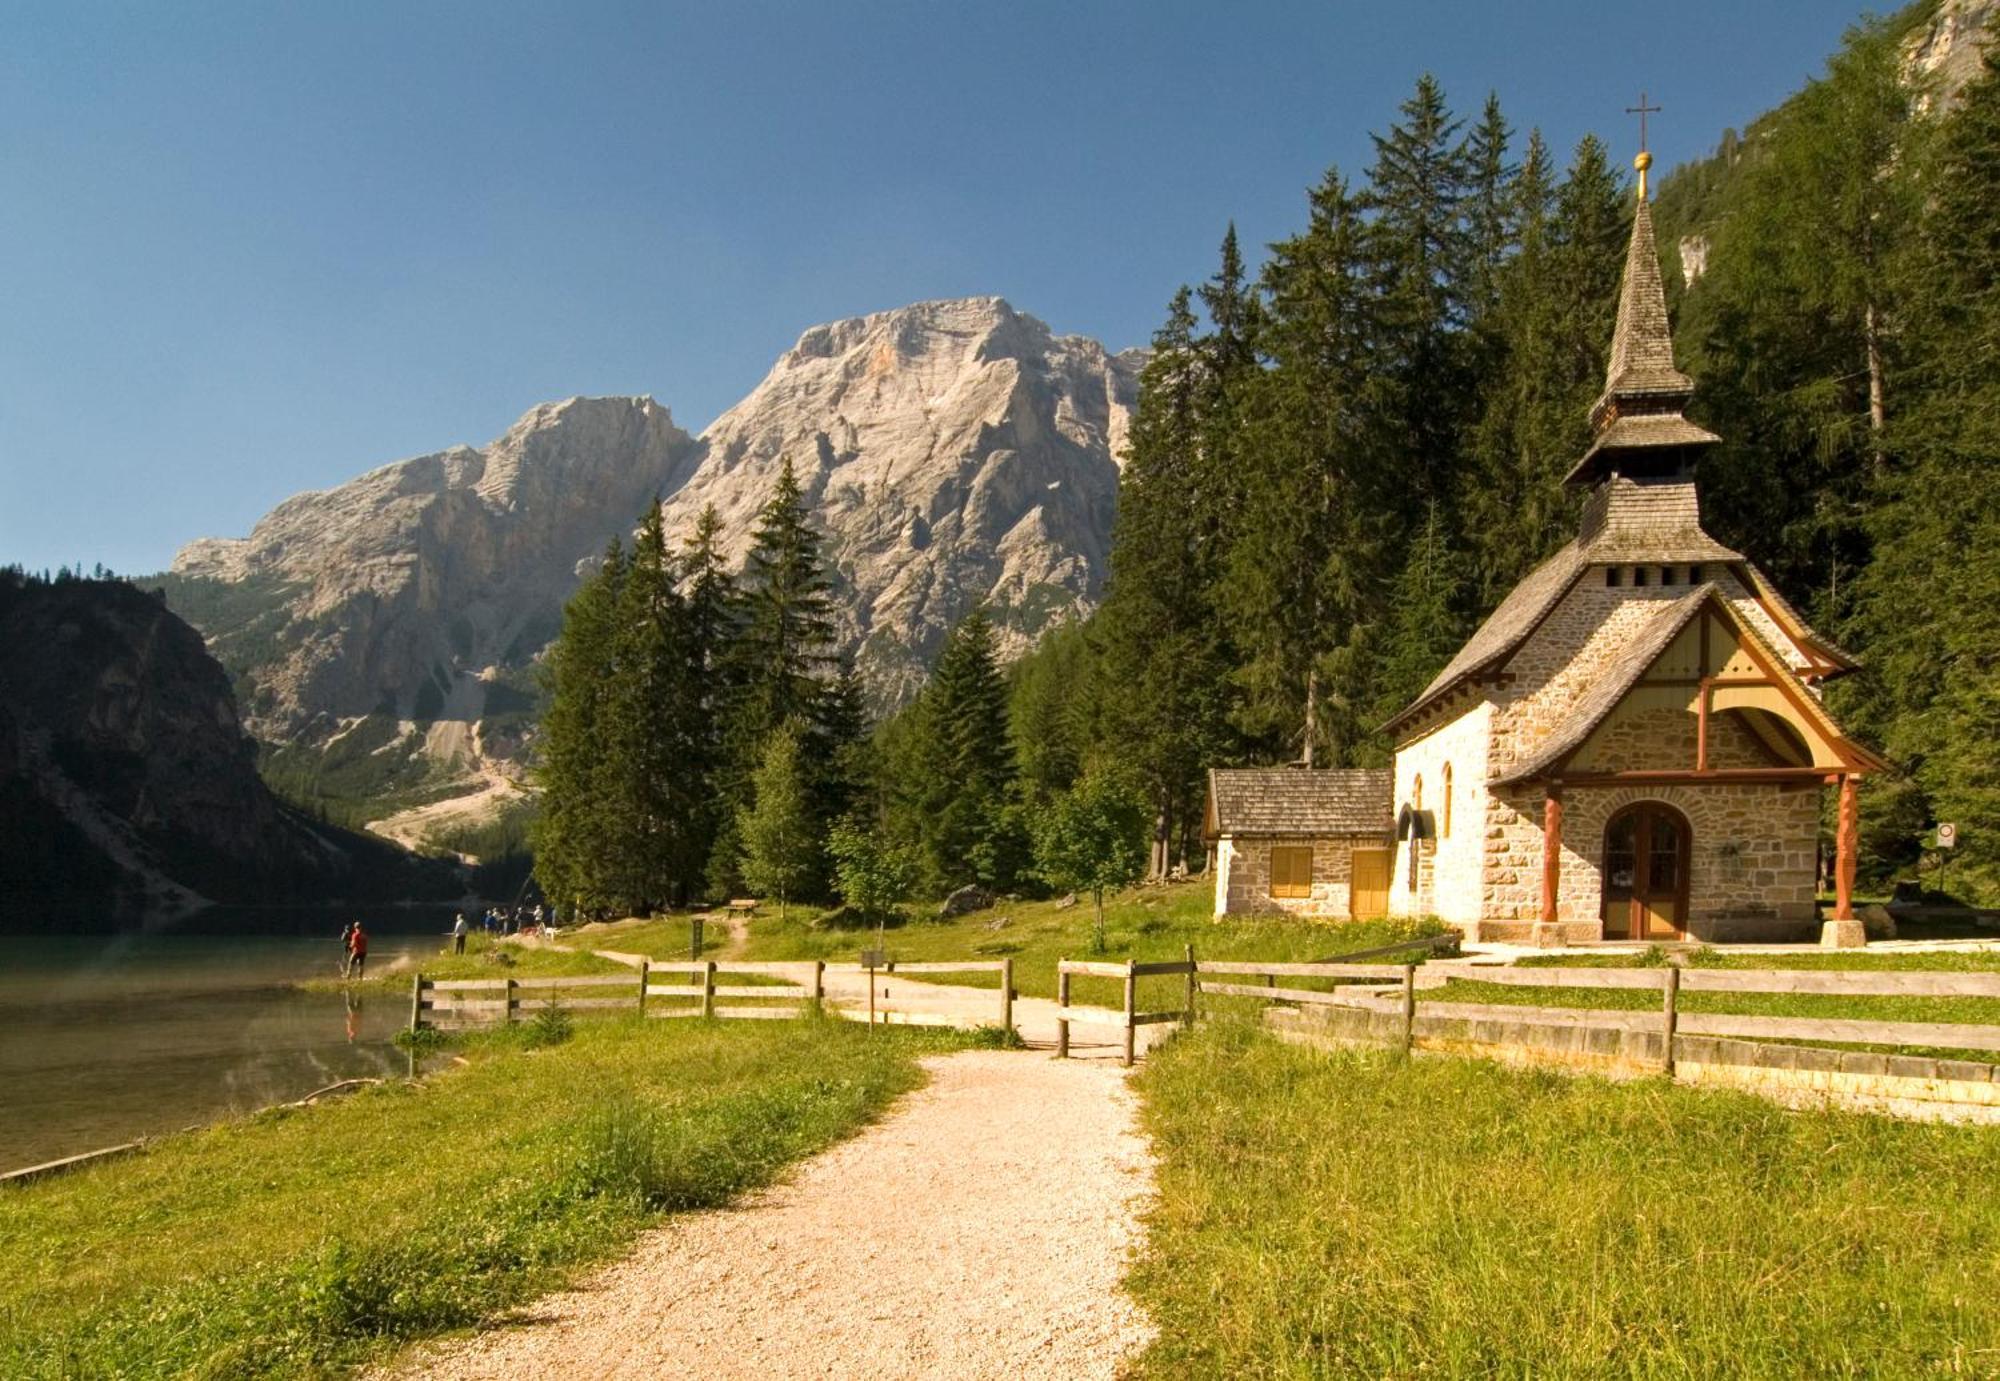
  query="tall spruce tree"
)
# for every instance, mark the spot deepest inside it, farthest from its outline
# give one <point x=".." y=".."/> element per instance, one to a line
<point x="654" y="786"/>
<point x="973" y="837"/>
<point x="1308" y="552"/>
<point x="1161" y="641"/>
<point x="572" y="840"/>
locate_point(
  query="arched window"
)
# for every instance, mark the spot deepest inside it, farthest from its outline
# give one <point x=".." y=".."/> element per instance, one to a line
<point x="1445" y="831"/>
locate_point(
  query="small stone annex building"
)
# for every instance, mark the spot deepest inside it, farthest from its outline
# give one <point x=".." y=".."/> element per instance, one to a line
<point x="1631" y="747"/>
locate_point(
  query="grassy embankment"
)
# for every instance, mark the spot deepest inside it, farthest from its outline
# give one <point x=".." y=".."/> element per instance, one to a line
<point x="1362" y="1214"/>
<point x="485" y="957"/>
<point x="1143" y="923"/>
<point x="298" y="1241"/>
<point x="1976" y="1010"/>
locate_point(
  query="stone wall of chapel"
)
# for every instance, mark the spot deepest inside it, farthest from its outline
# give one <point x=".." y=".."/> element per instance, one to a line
<point x="1640" y="737"/>
<point x="1752" y="874"/>
<point x="1450" y="867"/>
<point x="1244" y="885"/>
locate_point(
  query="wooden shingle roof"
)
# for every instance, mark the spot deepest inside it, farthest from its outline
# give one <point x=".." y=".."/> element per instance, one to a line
<point x="1300" y="801"/>
<point x="1590" y="708"/>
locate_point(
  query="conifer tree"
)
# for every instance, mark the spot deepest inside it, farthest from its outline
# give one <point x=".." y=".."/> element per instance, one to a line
<point x="654" y="783"/>
<point x="1302" y="567"/>
<point x="782" y="840"/>
<point x="784" y="647"/>
<point x="1417" y="186"/>
<point x="1161" y="640"/>
<point x="571" y="841"/>
<point x="971" y="835"/>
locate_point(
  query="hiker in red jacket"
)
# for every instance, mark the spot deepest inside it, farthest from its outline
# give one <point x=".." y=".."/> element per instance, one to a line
<point x="357" y="951"/>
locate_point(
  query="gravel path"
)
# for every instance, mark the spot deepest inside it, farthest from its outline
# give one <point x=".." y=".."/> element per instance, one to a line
<point x="979" y="1230"/>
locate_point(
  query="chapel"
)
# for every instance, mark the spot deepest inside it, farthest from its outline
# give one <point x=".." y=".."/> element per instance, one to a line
<point x="1632" y="747"/>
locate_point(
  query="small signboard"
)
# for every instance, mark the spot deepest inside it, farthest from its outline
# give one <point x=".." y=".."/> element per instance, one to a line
<point x="1947" y="835"/>
<point x="874" y="958"/>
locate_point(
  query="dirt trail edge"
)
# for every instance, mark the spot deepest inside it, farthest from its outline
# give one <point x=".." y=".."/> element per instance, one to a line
<point x="979" y="1230"/>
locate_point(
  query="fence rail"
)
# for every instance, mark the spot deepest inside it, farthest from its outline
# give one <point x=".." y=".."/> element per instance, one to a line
<point x="437" y="1002"/>
<point x="456" y="1002"/>
<point x="1129" y="1018"/>
<point x="1668" y="1020"/>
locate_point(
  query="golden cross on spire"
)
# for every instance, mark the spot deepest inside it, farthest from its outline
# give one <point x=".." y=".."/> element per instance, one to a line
<point x="1644" y="159"/>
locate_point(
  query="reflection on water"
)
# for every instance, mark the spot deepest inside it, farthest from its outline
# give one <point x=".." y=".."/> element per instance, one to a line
<point x="103" y="1039"/>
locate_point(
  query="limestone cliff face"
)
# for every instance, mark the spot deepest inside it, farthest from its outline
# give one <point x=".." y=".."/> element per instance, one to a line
<point x="954" y="452"/>
<point x="393" y="593"/>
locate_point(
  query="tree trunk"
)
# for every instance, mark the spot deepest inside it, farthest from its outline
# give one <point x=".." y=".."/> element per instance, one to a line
<point x="1312" y="716"/>
<point x="1878" y="408"/>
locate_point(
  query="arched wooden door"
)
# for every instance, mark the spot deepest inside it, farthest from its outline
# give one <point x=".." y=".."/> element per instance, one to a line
<point x="1647" y="847"/>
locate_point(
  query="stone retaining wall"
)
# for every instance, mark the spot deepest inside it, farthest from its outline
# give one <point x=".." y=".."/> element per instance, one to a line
<point x="1796" y="1076"/>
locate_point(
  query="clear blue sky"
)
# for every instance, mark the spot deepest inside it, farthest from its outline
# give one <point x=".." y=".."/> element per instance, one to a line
<point x="253" y="248"/>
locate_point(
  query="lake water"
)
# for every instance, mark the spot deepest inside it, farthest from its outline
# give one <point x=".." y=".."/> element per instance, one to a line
<point x="104" y="1039"/>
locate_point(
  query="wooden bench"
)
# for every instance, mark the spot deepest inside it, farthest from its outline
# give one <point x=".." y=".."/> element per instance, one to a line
<point x="746" y="905"/>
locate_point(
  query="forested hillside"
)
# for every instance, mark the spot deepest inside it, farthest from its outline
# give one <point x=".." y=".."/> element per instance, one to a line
<point x="1339" y="467"/>
<point x="1342" y="460"/>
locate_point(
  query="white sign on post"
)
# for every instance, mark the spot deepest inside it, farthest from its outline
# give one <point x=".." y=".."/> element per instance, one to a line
<point x="1947" y="835"/>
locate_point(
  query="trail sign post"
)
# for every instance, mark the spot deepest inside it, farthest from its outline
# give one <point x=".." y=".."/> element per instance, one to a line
<point x="1947" y="835"/>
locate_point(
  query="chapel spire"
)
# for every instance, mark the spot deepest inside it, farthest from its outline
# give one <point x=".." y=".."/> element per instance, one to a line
<point x="1636" y="424"/>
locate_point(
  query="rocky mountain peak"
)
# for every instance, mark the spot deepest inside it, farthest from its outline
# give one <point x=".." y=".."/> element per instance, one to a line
<point x="955" y="451"/>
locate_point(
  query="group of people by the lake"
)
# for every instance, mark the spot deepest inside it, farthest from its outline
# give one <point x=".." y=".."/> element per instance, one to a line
<point x="500" y="920"/>
<point x="353" y="950"/>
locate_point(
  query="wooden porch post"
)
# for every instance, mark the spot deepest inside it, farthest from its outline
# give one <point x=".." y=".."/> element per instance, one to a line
<point x="1548" y="931"/>
<point x="1843" y="931"/>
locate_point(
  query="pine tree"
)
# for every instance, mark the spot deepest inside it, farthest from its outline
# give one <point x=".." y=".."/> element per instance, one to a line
<point x="710" y="600"/>
<point x="1308" y="552"/>
<point x="654" y="782"/>
<point x="971" y="833"/>
<point x="572" y="848"/>
<point x="1419" y="383"/>
<point x="1161" y="641"/>
<point x="784" y="649"/>
<point x="781" y="838"/>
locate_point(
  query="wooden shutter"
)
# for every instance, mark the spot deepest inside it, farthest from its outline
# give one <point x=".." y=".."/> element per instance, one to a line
<point x="1291" y="870"/>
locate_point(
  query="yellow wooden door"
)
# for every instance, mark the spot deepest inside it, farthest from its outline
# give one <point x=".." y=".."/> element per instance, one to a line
<point x="1368" y="883"/>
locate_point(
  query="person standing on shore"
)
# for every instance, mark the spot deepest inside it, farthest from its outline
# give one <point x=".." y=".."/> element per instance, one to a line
<point x="458" y="929"/>
<point x="357" y="951"/>
<point x="347" y="950"/>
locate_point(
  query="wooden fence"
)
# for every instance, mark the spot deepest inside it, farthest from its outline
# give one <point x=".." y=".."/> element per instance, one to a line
<point x="1399" y="991"/>
<point x="788" y="988"/>
<point x="455" y="1002"/>
<point x="1129" y="1019"/>
<point x="889" y="1014"/>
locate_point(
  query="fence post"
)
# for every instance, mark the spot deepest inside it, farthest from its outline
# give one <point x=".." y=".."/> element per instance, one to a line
<point x="708" y="988"/>
<point x="694" y="939"/>
<point x="645" y="977"/>
<point x="1188" y="952"/>
<point x="416" y="1003"/>
<point x="1409" y="1007"/>
<point x="819" y="986"/>
<point x="1131" y="1008"/>
<point x="1670" y="1017"/>
<point x="507" y="1017"/>
<point x="1007" y="996"/>
<point x="1062" y="1007"/>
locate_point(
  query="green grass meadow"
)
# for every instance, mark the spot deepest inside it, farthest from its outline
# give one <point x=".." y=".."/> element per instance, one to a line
<point x="1363" y="1214"/>
<point x="1142" y="923"/>
<point x="298" y="1242"/>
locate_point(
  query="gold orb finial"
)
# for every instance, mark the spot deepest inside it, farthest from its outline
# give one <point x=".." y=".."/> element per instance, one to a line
<point x="1642" y="161"/>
